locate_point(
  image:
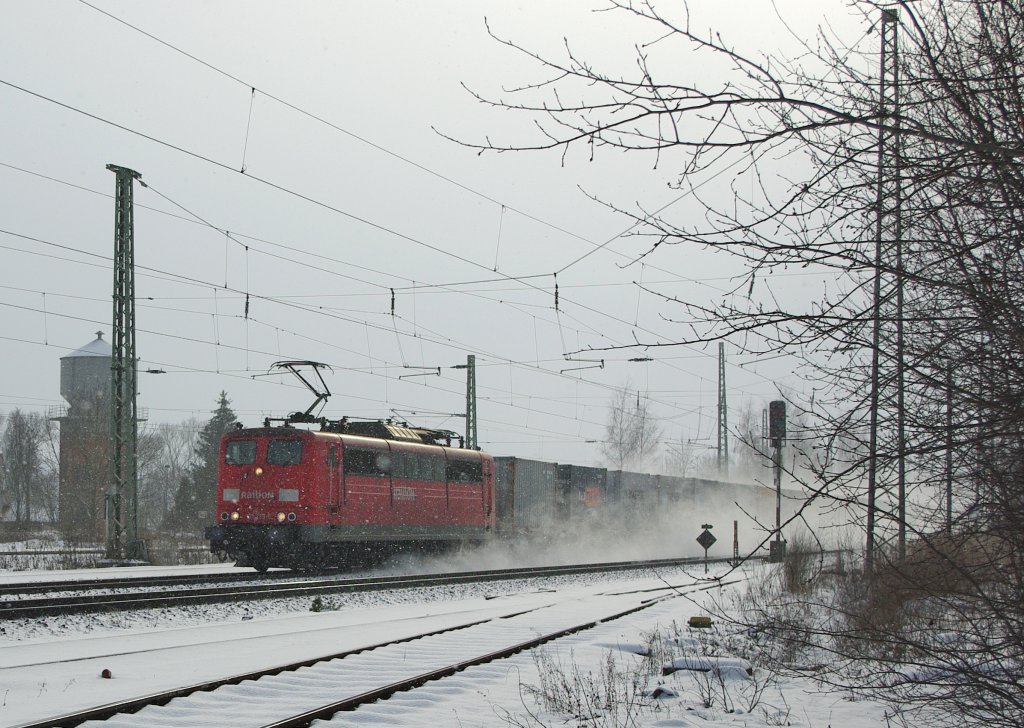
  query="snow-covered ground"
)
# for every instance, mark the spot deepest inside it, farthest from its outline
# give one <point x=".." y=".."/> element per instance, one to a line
<point x="49" y="667"/>
<point x="34" y="576"/>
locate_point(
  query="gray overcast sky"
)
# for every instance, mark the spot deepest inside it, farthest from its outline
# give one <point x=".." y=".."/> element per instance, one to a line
<point x="343" y="221"/>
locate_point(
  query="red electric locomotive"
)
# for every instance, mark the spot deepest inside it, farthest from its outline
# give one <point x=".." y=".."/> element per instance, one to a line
<point x="352" y="493"/>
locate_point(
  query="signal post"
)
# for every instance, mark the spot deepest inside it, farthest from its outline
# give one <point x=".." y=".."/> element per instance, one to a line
<point x="777" y="437"/>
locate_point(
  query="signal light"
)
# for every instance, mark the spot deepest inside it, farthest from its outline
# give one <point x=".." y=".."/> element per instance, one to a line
<point x="777" y="421"/>
<point x="224" y="516"/>
<point x="291" y="517"/>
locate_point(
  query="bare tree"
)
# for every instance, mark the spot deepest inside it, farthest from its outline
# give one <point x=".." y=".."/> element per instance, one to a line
<point x="750" y="457"/>
<point x="26" y="480"/>
<point x="915" y="348"/>
<point x="172" y="452"/>
<point x="49" y="491"/>
<point x="632" y="432"/>
<point x="685" y="457"/>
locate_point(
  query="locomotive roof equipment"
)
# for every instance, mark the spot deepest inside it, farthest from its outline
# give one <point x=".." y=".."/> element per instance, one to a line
<point x="383" y="429"/>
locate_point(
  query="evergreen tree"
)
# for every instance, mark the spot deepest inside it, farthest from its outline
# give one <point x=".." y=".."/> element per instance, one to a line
<point x="194" y="502"/>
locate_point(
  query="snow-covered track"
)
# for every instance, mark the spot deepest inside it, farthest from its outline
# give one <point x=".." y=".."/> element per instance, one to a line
<point x="295" y="695"/>
<point x="134" y="582"/>
<point x="301" y="587"/>
<point x="105" y="712"/>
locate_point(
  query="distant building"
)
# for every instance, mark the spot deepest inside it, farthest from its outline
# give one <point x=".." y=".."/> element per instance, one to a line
<point x="85" y="439"/>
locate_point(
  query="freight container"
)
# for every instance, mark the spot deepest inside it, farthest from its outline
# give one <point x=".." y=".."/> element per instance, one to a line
<point x="582" y="489"/>
<point x="527" y="495"/>
<point x="675" y="491"/>
<point x="638" y="492"/>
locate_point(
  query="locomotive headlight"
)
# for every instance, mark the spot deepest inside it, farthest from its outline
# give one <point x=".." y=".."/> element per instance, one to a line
<point x="234" y="515"/>
<point x="259" y="471"/>
<point x="281" y="517"/>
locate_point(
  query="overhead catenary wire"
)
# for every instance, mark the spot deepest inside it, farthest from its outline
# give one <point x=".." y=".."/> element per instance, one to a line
<point x="248" y="126"/>
<point x="536" y="362"/>
<point x="178" y="368"/>
<point x="504" y="206"/>
<point x="193" y="281"/>
<point x="220" y="372"/>
<point x="567" y="286"/>
<point x="224" y="373"/>
<point x="234" y="236"/>
<point x="228" y="235"/>
<point x="422" y="286"/>
<point x="288" y="191"/>
<point x="217" y="343"/>
<point x="251" y="87"/>
<point x="254" y="89"/>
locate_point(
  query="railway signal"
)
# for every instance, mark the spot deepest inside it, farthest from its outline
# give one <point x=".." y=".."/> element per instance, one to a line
<point x="706" y="539"/>
<point x="777" y="437"/>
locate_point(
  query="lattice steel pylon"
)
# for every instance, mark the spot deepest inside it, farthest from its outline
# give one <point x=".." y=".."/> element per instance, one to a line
<point x="471" y="433"/>
<point x="122" y="503"/>
<point x="888" y="234"/>
<point x="723" y="415"/>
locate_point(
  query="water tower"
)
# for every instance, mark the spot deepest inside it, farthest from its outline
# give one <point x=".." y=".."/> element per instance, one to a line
<point x="85" y="439"/>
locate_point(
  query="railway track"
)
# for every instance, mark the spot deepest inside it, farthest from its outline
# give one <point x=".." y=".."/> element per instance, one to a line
<point x="136" y="582"/>
<point x="286" y="585"/>
<point x="294" y="695"/>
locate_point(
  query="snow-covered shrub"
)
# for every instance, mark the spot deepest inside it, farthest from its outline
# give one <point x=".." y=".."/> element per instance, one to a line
<point x="610" y="697"/>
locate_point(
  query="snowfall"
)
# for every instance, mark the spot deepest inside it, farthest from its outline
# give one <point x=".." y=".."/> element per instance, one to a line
<point x="49" y="667"/>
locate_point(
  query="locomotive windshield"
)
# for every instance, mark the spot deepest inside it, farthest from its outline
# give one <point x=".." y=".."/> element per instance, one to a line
<point x="284" y="452"/>
<point x="240" y="452"/>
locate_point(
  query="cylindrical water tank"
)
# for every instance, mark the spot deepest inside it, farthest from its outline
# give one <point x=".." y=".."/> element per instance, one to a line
<point x="85" y="376"/>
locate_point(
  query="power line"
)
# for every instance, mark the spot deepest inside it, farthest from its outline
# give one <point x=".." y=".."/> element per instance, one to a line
<point x="342" y="130"/>
<point x="313" y="201"/>
<point x="272" y="354"/>
<point x="420" y="287"/>
<point x="503" y="206"/>
<point x="290" y="192"/>
<point x="440" y="340"/>
<point x="201" y="221"/>
<point x="584" y="307"/>
<point x="179" y="368"/>
<point x="194" y="281"/>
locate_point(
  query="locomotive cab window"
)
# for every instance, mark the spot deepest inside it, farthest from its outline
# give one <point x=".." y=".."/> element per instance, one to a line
<point x="240" y="452"/>
<point x="432" y="467"/>
<point x="465" y="471"/>
<point x="418" y="466"/>
<point x="364" y="461"/>
<point x="284" y="452"/>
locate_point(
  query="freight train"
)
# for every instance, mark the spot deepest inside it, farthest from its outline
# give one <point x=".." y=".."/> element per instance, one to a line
<point x="355" y="493"/>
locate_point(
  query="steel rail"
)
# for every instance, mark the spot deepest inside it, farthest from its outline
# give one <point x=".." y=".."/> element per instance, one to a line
<point x="89" y="603"/>
<point x="103" y="712"/>
<point x="90" y="552"/>
<point x="72" y="585"/>
<point x="326" y="711"/>
<point x="133" y="705"/>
